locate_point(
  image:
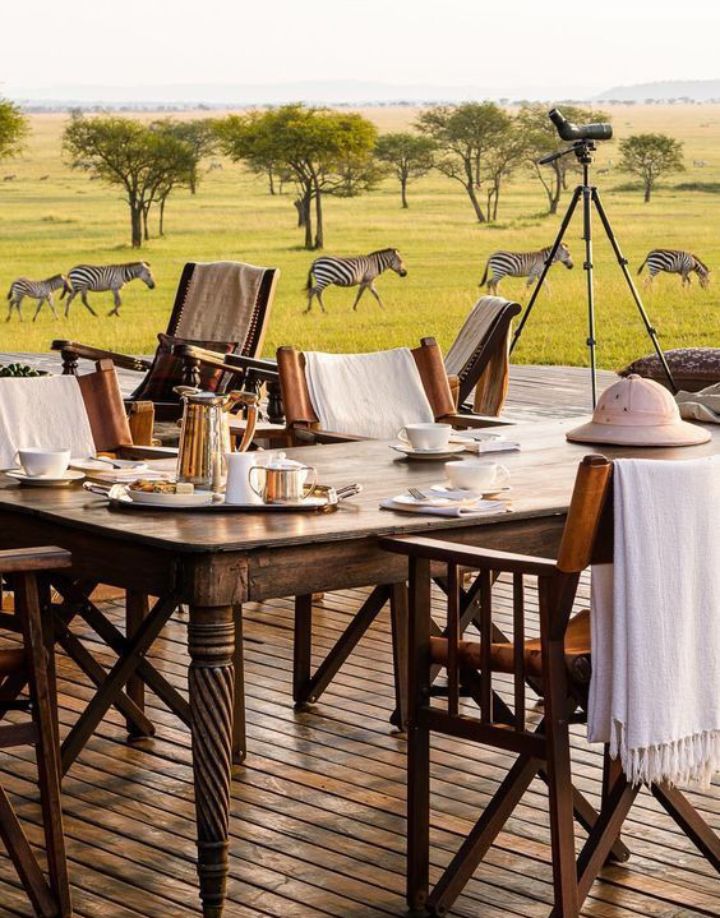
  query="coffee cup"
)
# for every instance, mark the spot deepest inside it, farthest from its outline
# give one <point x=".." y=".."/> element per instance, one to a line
<point x="43" y="463"/>
<point x="426" y="436"/>
<point x="478" y="475"/>
<point x="237" y="488"/>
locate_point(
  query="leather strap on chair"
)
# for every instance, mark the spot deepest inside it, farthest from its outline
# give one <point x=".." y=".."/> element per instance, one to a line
<point x="106" y="410"/>
<point x="141" y="419"/>
<point x="293" y="384"/>
<point x="429" y="360"/>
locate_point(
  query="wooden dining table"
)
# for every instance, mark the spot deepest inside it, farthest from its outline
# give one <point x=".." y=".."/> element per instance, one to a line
<point x="216" y="560"/>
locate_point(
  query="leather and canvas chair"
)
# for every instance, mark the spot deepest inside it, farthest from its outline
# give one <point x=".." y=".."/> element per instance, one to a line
<point x="561" y="659"/>
<point x="220" y="306"/>
<point x="32" y="664"/>
<point x="302" y="421"/>
<point x="479" y="356"/>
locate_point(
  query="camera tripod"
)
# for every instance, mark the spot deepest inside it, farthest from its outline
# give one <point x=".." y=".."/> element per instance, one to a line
<point x="583" y="150"/>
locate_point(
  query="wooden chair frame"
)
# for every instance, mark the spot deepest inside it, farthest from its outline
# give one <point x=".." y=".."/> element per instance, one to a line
<point x="50" y="897"/>
<point x="543" y="751"/>
<point x="72" y="351"/>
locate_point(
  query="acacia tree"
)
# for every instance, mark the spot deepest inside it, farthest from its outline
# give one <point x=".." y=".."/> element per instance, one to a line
<point x="541" y="138"/>
<point x="127" y="153"/>
<point x="199" y="138"/>
<point x="501" y="161"/>
<point x="316" y="146"/>
<point x="465" y="134"/>
<point x="13" y="129"/>
<point x="651" y="156"/>
<point x="410" y="156"/>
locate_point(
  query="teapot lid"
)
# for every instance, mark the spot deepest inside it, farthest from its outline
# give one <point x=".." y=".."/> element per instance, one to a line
<point x="199" y="396"/>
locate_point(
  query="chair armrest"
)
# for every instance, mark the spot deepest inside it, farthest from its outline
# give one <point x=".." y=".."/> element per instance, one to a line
<point x="28" y="560"/>
<point x="467" y="421"/>
<point x="232" y="363"/>
<point x="146" y="452"/>
<point x="468" y="556"/>
<point x="87" y="352"/>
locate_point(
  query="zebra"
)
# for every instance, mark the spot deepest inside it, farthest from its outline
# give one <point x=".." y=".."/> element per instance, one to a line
<point x="350" y="272"/>
<point x="675" y="261"/>
<point x="521" y="264"/>
<point x="42" y="291"/>
<point x="106" y="277"/>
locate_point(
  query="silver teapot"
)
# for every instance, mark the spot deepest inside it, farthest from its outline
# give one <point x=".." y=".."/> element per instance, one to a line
<point x="205" y="434"/>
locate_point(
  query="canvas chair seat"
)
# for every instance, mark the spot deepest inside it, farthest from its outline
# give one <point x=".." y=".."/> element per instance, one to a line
<point x="502" y="654"/>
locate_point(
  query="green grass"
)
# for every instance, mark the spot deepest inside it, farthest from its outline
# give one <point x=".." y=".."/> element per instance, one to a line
<point x="48" y="226"/>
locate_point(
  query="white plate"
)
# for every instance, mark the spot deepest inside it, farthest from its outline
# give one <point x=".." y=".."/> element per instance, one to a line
<point x="178" y="501"/>
<point x="429" y="454"/>
<point x="97" y="465"/>
<point x="462" y="494"/>
<point x="45" y="481"/>
<point x="410" y="501"/>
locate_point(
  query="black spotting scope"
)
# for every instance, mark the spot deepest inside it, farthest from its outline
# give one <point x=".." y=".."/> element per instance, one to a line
<point x="569" y="131"/>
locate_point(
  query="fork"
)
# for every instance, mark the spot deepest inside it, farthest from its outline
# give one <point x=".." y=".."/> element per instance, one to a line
<point x="417" y="494"/>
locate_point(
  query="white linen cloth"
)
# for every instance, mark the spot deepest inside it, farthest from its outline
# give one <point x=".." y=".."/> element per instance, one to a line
<point x="44" y="411"/>
<point x="700" y="406"/>
<point x="370" y="395"/>
<point x="655" y="686"/>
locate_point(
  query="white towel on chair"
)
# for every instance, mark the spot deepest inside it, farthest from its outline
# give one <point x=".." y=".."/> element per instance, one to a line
<point x="369" y="395"/>
<point x="655" y="687"/>
<point x="44" y="411"/>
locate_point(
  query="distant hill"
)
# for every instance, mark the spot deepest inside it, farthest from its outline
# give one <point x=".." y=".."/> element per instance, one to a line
<point x="665" y="91"/>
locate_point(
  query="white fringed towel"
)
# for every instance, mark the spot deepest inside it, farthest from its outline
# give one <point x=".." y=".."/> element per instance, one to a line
<point x="655" y="687"/>
<point x="44" y="411"/>
<point x="370" y="395"/>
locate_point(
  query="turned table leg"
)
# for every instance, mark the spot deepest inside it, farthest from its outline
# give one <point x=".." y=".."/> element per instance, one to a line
<point x="211" y="639"/>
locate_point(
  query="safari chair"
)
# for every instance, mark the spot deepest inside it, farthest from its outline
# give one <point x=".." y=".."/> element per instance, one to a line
<point x="221" y="306"/>
<point x="478" y="358"/>
<point x="561" y="659"/>
<point x="302" y="422"/>
<point x="33" y="665"/>
<point x="112" y="436"/>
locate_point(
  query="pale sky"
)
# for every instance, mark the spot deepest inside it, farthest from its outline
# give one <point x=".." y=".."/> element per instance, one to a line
<point x="569" y="46"/>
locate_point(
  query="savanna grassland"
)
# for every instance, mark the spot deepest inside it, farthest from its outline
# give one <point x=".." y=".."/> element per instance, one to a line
<point x="47" y="226"/>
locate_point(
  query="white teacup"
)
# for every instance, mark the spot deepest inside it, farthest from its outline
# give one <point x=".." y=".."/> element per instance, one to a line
<point x="44" y="463"/>
<point x="426" y="436"/>
<point x="478" y="475"/>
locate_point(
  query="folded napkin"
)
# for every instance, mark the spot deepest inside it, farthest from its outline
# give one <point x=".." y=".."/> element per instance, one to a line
<point x="700" y="406"/>
<point x="47" y="412"/>
<point x="370" y="395"/>
<point x="655" y="687"/>
<point x="491" y="446"/>
<point x="449" y="508"/>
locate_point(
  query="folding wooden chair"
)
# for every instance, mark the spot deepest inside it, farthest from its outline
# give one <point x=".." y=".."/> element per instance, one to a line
<point x="232" y="321"/>
<point x="560" y="658"/>
<point x="33" y="664"/>
<point x="112" y="436"/>
<point x="478" y="358"/>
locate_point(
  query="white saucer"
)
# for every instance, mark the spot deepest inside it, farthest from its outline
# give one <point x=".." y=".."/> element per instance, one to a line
<point x="446" y="452"/>
<point x="45" y="481"/>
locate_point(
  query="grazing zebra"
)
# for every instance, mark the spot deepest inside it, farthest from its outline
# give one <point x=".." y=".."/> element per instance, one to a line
<point x="42" y="291"/>
<point x="106" y="277"/>
<point x="521" y="264"/>
<point x="349" y="272"/>
<point x="674" y="261"/>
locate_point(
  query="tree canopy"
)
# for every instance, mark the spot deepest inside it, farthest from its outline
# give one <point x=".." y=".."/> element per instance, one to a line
<point x="13" y="129"/>
<point x="650" y="156"/>
<point x="410" y="156"/>
<point x="325" y="152"/>
<point x="465" y="136"/>
<point x="147" y="161"/>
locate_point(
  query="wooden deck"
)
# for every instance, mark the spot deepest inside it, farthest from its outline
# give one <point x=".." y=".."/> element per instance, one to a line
<point x="318" y="810"/>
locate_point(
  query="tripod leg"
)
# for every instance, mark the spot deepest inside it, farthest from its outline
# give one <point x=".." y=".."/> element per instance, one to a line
<point x="622" y="261"/>
<point x="587" y="194"/>
<point x="548" y="264"/>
